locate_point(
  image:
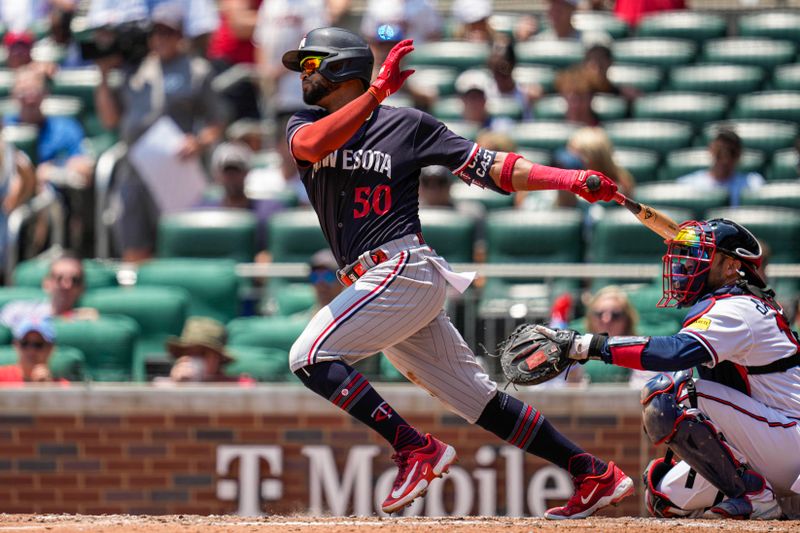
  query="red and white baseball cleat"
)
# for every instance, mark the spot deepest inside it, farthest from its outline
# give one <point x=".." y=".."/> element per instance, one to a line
<point x="593" y="492"/>
<point x="416" y="469"/>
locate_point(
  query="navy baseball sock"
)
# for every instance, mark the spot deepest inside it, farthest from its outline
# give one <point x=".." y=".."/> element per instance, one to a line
<point x="526" y="428"/>
<point x="349" y="390"/>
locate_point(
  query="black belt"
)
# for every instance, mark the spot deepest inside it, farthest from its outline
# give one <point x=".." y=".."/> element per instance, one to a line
<point x="781" y="365"/>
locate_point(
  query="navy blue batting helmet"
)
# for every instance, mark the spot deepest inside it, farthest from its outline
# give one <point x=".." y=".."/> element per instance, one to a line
<point x="346" y="55"/>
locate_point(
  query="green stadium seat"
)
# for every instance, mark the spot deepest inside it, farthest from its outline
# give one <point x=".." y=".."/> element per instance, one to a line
<point x="730" y="80"/>
<point x="212" y="233"/>
<point x="787" y="77"/>
<point x="449" y="232"/>
<point x="24" y="137"/>
<point x="543" y="157"/>
<point x="211" y="283"/>
<point x="107" y="344"/>
<point x="515" y="236"/>
<point x="542" y="75"/>
<point x="65" y="362"/>
<point x="777" y="193"/>
<point x="679" y="195"/>
<point x="601" y="372"/>
<point x="267" y="332"/>
<point x="779" y="227"/>
<point x="30" y="273"/>
<point x="387" y="370"/>
<point x="47" y="52"/>
<point x="605" y="106"/>
<point x="785" y="165"/>
<point x="62" y="106"/>
<point x="503" y="22"/>
<point x="11" y="294"/>
<point x="295" y="235"/>
<point x="543" y="135"/>
<point x="460" y="55"/>
<point x="558" y="53"/>
<point x="658" y="135"/>
<point x="461" y="192"/>
<point x="159" y="312"/>
<point x="683" y="24"/>
<point x="291" y="298"/>
<point x="659" y="52"/>
<point x="644" y="78"/>
<point x="771" y="105"/>
<point x="681" y="162"/>
<point x="765" y="135"/>
<point x="600" y="21"/>
<point x="452" y="108"/>
<point x="437" y="79"/>
<point x="3" y="56"/>
<point x="261" y="364"/>
<point x="6" y="82"/>
<point x="696" y="108"/>
<point x="618" y="237"/>
<point x="77" y="82"/>
<point x="756" y="51"/>
<point x="468" y="130"/>
<point x="399" y="100"/>
<point x="643" y="164"/>
<point x="773" y="24"/>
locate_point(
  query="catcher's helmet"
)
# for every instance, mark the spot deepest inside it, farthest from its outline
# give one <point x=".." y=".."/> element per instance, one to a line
<point x="346" y="55"/>
<point x="691" y="252"/>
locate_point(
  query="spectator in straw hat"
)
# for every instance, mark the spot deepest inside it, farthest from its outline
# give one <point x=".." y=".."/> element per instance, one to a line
<point x="200" y="353"/>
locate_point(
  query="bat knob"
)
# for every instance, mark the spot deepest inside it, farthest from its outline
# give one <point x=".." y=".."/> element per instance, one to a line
<point x="593" y="182"/>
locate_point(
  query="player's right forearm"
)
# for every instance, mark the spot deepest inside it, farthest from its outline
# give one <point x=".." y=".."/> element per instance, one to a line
<point x="313" y="142"/>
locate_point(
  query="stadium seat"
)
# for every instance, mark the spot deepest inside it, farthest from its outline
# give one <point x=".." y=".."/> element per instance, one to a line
<point x="77" y="82"/>
<point x="600" y="21"/>
<point x="287" y="299"/>
<point x="678" y="195"/>
<point x="785" y="165"/>
<point x="787" y="77"/>
<point x="643" y="164"/>
<point x="542" y="75"/>
<point x="6" y="82"/>
<point x="601" y="372"/>
<point x="65" y="362"/>
<point x="605" y="106"/>
<point x="756" y="51"/>
<point x="30" y="273"/>
<point x="437" y="79"/>
<point x="451" y="233"/>
<point x="212" y="233"/>
<point x="771" y="105"/>
<point x="659" y="52"/>
<point x="461" y="192"/>
<point x="47" y="52"/>
<point x="515" y="236"/>
<point x="295" y="235"/>
<point x="681" y="162"/>
<point x="683" y="24"/>
<point x="644" y="78"/>
<point x="558" y="53"/>
<point x="779" y="227"/>
<point x="11" y="294"/>
<point x="460" y="55"/>
<point x="211" y="283"/>
<point x="658" y="135"/>
<point x="655" y="320"/>
<point x="543" y="135"/>
<point x="618" y="237"/>
<point x="468" y="130"/>
<point x="452" y="108"/>
<point x="267" y="332"/>
<point x="24" y="137"/>
<point x="774" y="24"/>
<point x="730" y="80"/>
<point x="778" y="193"/>
<point x="259" y="363"/>
<point x="107" y="344"/>
<point x="765" y="135"/>
<point x="696" y="108"/>
<point x="159" y="312"/>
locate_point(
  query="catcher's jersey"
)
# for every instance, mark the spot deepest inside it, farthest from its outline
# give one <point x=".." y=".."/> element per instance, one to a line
<point x="744" y="330"/>
<point x="366" y="193"/>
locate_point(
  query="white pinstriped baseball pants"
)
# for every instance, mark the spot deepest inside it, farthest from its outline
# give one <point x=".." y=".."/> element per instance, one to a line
<point x="397" y="307"/>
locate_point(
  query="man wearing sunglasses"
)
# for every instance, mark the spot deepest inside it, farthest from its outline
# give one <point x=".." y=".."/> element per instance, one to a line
<point x="360" y="162"/>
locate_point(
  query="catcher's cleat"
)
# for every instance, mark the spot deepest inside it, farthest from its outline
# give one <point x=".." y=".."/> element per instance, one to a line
<point x="416" y="468"/>
<point x="593" y="492"/>
<point x="758" y="503"/>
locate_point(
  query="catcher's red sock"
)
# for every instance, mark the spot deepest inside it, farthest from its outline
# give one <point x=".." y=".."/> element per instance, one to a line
<point x="346" y="388"/>
<point x="523" y="426"/>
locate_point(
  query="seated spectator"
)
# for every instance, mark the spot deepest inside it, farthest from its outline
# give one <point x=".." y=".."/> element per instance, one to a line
<point x="575" y="87"/>
<point x="17" y="186"/>
<point x="200" y="353"/>
<point x="726" y="151"/>
<point x="64" y="285"/>
<point x="416" y="19"/>
<point x="594" y="149"/>
<point x="596" y="62"/>
<point x="473" y="19"/>
<point x="60" y="154"/>
<point x="559" y="18"/>
<point x="473" y="90"/>
<point x="34" y="341"/>
<point x="19" y="45"/>
<point x="323" y="277"/>
<point x="169" y="82"/>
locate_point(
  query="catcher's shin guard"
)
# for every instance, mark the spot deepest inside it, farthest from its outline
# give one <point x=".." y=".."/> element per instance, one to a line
<point x="690" y="434"/>
<point x="658" y="503"/>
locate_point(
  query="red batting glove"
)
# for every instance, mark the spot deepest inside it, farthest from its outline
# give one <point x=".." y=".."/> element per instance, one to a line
<point x="390" y="78"/>
<point x="604" y="192"/>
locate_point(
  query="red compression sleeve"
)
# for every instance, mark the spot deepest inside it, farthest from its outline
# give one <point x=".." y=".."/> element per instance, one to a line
<point x="313" y="142"/>
<point x="543" y="177"/>
<point x="508" y="171"/>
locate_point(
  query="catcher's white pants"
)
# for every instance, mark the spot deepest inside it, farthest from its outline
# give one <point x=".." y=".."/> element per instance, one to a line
<point x="762" y="437"/>
<point x="397" y="307"/>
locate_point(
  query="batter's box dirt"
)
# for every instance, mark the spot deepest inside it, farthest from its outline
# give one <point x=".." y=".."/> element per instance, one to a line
<point x="306" y="524"/>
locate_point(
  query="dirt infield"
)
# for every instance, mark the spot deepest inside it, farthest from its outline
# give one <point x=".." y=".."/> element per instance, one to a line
<point x="304" y="524"/>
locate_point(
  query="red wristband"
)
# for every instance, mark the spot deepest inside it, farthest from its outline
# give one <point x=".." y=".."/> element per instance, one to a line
<point x="508" y="171"/>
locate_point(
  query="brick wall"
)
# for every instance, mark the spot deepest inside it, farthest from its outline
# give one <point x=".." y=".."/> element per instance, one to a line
<point x="143" y="450"/>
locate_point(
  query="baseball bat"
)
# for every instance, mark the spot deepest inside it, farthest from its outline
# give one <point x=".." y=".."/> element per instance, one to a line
<point x="654" y="219"/>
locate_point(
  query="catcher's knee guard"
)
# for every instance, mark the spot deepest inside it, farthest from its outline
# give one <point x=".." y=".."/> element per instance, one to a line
<point x="689" y="433"/>
<point x="658" y="504"/>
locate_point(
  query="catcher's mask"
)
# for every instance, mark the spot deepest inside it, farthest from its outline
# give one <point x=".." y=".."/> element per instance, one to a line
<point x="691" y="253"/>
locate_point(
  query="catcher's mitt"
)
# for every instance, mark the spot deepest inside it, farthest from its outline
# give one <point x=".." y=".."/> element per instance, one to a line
<point x="528" y="357"/>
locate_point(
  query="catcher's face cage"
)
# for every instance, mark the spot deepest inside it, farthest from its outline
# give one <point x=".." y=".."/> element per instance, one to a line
<point x="687" y="264"/>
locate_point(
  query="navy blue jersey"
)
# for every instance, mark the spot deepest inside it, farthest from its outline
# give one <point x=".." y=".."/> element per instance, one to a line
<point x="366" y="193"/>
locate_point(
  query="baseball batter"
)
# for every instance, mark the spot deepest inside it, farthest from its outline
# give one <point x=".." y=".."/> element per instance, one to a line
<point x="360" y="163"/>
<point x="736" y="428"/>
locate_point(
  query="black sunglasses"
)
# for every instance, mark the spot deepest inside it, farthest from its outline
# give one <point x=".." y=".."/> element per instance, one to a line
<point x="36" y="345"/>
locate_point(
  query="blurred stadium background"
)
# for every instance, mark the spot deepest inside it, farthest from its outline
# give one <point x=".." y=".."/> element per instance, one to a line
<point x="111" y="441"/>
